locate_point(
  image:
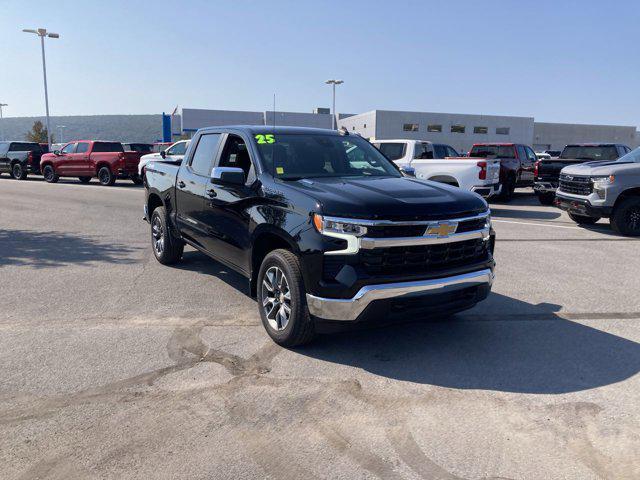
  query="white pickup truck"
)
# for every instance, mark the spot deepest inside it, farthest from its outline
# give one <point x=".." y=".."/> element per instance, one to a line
<point x="441" y="163"/>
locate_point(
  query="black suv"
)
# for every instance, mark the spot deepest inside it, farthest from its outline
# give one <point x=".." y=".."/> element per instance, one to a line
<point x="323" y="225"/>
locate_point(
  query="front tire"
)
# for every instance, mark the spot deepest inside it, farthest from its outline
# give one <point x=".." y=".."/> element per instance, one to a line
<point x="49" y="174"/>
<point x="626" y="217"/>
<point x="18" y="171"/>
<point x="508" y="189"/>
<point x="106" y="176"/>
<point x="282" y="300"/>
<point x="546" y="198"/>
<point x="583" y="220"/>
<point x="166" y="248"/>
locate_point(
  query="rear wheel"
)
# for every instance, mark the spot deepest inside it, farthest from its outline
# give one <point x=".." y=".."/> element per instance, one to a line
<point x="84" y="179"/>
<point x="508" y="188"/>
<point x="106" y="176"/>
<point x="583" y="219"/>
<point x="626" y="217"/>
<point x="546" y="198"/>
<point x="50" y="174"/>
<point x="166" y="247"/>
<point x="282" y="300"/>
<point x="18" y="171"/>
<point x="136" y="179"/>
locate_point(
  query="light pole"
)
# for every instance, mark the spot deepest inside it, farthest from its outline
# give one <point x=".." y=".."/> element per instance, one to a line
<point x="60" y="127"/>
<point x="2" y="105"/>
<point x="42" y="32"/>
<point x="333" y="83"/>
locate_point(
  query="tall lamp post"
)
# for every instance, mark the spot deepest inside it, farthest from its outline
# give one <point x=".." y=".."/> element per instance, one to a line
<point x="333" y="83"/>
<point x="42" y="32"/>
<point x="60" y="127"/>
<point x="2" y="105"/>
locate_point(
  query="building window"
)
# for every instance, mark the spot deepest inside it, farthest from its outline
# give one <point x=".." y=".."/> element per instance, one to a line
<point x="457" y="128"/>
<point x="434" y="128"/>
<point x="502" y="131"/>
<point x="364" y="126"/>
<point x="410" y="127"/>
<point x="481" y="130"/>
<point x="353" y="128"/>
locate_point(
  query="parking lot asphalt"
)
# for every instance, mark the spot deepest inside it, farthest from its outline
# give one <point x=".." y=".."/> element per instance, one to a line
<point x="114" y="366"/>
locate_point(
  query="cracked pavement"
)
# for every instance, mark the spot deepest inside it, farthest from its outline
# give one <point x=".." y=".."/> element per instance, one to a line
<point x="114" y="366"/>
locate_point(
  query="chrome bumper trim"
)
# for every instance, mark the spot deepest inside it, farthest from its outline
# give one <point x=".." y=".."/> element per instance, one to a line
<point x="369" y="243"/>
<point x="350" y="308"/>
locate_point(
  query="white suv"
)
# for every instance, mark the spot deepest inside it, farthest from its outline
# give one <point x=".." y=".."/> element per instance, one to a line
<point x="174" y="153"/>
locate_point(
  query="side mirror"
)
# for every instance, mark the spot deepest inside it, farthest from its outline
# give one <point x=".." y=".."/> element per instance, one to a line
<point x="408" y="171"/>
<point x="56" y="152"/>
<point x="227" y="175"/>
<point x="163" y="154"/>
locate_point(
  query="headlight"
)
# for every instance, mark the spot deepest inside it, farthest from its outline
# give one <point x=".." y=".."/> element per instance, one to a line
<point x="601" y="181"/>
<point x="326" y="225"/>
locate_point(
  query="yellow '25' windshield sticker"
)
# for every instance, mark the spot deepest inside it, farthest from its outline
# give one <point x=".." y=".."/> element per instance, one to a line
<point x="268" y="138"/>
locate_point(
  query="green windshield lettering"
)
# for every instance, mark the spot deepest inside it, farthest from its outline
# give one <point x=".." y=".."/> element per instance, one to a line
<point x="268" y="138"/>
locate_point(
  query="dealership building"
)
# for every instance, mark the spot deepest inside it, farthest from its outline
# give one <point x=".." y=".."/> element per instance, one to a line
<point x="460" y="131"/>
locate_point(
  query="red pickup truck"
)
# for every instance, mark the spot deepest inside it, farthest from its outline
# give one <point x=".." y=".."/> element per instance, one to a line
<point x="87" y="159"/>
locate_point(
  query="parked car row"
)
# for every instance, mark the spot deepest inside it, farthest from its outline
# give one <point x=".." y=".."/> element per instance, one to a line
<point x="84" y="159"/>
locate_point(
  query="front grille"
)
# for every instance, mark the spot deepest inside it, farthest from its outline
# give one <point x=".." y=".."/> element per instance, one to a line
<point x="575" y="185"/>
<point x="413" y="260"/>
<point x="394" y="231"/>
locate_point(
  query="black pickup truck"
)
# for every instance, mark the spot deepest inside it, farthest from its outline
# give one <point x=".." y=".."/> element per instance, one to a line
<point x="20" y="158"/>
<point x="547" y="171"/>
<point x="325" y="228"/>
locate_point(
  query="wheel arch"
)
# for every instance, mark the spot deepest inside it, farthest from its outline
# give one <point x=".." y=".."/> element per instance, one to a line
<point x="630" y="192"/>
<point x="264" y="241"/>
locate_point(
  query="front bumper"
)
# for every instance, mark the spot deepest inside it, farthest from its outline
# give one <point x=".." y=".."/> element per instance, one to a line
<point x="487" y="191"/>
<point x="545" y="187"/>
<point x="351" y="309"/>
<point x="581" y="206"/>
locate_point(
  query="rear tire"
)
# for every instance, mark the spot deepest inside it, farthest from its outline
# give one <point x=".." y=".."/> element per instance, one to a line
<point x="626" y="217"/>
<point x="18" y="171"/>
<point x="84" y="179"/>
<point x="282" y="300"/>
<point x="106" y="176"/>
<point x="583" y="220"/>
<point x="508" y="188"/>
<point x="136" y="180"/>
<point x="49" y="174"/>
<point x="546" y="198"/>
<point x="166" y="247"/>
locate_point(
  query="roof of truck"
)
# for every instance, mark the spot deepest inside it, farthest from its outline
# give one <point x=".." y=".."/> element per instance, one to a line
<point x="264" y="129"/>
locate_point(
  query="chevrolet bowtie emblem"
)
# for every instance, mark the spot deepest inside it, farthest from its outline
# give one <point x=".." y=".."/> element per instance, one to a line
<point x="443" y="229"/>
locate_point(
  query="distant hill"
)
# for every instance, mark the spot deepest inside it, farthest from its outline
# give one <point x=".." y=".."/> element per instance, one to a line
<point x="124" y="128"/>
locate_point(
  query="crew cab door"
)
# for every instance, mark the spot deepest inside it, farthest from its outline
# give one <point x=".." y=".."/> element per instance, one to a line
<point x="227" y="206"/>
<point x="78" y="161"/>
<point x="528" y="165"/>
<point x="192" y="180"/>
<point x="64" y="160"/>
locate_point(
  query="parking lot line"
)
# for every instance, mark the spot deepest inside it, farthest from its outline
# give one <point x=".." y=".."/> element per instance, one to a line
<point x="536" y="224"/>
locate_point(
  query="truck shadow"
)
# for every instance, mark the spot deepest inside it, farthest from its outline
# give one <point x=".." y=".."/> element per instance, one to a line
<point x="195" y="261"/>
<point x="503" y="344"/>
<point x="54" y="249"/>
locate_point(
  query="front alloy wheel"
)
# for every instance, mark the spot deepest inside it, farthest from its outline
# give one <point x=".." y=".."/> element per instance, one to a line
<point x="157" y="234"/>
<point x="276" y="298"/>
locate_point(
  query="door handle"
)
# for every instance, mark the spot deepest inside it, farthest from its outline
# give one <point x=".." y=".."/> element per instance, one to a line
<point x="212" y="193"/>
<point x="181" y="184"/>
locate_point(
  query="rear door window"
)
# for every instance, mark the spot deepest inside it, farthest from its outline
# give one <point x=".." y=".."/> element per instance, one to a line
<point x="83" y="147"/>
<point x="205" y="153"/>
<point x="393" y="151"/>
<point x="107" y="147"/>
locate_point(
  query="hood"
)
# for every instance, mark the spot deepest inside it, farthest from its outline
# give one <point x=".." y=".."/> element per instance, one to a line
<point x="390" y="198"/>
<point x="607" y="167"/>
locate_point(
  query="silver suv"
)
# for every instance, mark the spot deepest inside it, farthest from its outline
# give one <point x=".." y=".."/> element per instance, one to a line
<point x="611" y="189"/>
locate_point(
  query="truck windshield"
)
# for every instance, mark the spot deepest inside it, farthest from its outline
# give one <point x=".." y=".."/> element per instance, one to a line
<point x="590" y="152"/>
<point x="496" y="151"/>
<point x="296" y="156"/>
<point x="632" y="156"/>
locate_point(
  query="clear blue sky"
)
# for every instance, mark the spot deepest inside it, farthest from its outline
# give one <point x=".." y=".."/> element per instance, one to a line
<point x="567" y="61"/>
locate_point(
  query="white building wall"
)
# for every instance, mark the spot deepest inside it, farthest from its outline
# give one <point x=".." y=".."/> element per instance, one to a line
<point x="555" y="136"/>
<point x="195" y="118"/>
<point x="298" y="119"/>
<point x="362" y="123"/>
<point x="390" y="124"/>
